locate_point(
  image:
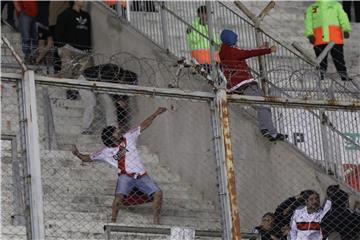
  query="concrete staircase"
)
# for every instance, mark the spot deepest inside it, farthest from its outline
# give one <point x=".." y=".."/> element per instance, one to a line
<point x="78" y="198"/>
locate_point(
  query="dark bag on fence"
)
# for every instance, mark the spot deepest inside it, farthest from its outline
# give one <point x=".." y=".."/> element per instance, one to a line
<point x="110" y="73"/>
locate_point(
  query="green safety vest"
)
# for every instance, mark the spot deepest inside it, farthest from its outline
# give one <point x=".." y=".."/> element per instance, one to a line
<point x="326" y="20"/>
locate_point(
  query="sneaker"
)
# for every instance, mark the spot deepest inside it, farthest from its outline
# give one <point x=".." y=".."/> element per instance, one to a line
<point x="266" y="133"/>
<point x="72" y="94"/>
<point x="281" y="137"/>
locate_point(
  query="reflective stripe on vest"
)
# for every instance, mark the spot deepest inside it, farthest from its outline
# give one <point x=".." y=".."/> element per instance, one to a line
<point x="335" y="35"/>
<point x="202" y="56"/>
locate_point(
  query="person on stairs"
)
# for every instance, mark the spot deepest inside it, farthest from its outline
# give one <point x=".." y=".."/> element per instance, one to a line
<point x="240" y="80"/>
<point x="121" y="152"/>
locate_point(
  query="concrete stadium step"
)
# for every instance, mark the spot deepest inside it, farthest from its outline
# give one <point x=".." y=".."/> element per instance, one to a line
<point x="62" y="228"/>
<point x="93" y="204"/>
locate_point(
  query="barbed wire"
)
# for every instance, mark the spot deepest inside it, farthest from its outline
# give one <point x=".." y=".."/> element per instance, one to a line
<point x="303" y="82"/>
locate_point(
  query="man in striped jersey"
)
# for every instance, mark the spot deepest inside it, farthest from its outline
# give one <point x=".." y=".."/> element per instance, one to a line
<point x="305" y="223"/>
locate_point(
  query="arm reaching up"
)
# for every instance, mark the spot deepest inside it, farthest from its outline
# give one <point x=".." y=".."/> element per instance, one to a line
<point x="148" y="121"/>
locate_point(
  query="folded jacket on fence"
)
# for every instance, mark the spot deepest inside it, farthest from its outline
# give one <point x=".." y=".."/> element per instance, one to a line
<point x="110" y="73"/>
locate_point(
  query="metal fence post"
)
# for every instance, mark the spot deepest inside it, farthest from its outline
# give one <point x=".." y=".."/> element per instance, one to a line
<point x="33" y="155"/>
<point x="164" y="27"/>
<point x="262" y="67"/>
<point x="226" y="169"/>
<point x="128" y="8"/>
<point x="49" y="121"/>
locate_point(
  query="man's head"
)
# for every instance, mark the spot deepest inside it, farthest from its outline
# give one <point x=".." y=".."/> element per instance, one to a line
<point x="202" y="14"/>
<point x="229" y="37"/>
<point x="111" y="136"/>
<point x="312" y="200"/>
<point x="267" y="221"/>
<point x="77" y="5"/>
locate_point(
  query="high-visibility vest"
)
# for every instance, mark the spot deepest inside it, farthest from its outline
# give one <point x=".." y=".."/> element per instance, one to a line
<point x="326" y="20"/>
<point x="199" y="45"/>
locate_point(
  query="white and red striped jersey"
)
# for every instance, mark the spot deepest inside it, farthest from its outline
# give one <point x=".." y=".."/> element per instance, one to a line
<point x="125" y="156"/>
<point x="306" y="226"/>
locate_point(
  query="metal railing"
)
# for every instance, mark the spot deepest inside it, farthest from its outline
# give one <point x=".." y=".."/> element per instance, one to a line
<point x="286" y="69"/>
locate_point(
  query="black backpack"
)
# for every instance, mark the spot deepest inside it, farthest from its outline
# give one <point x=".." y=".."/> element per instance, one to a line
<point x="110" y="73"/>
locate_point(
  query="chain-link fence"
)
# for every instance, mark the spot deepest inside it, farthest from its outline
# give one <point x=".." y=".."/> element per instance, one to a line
<point x="14" y="213"/>
<point x="168" y="174"/>
<point x="171" y="165"/>
<point x="270" y="175"/>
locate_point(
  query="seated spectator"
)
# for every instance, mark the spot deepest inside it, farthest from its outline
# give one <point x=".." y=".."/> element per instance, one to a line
<point x="284" y="212"/>
<point x="240" y="80"/>
<point x="27" y="12"/>
<point x="265" y="229"/>
<point x="198" y="44"/>
<point x="340" y="218"/>
<point x="73" y="31"/>
<point x="305" y="223"/>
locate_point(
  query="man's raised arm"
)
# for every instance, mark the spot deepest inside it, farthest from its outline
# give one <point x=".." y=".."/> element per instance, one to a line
<point x="82" y="157"/>
<point x="148" y="121"/>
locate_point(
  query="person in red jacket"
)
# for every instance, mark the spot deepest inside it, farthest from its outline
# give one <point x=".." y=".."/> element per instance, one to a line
<point x="27" y="12"/>
<point x="240" y="80"/>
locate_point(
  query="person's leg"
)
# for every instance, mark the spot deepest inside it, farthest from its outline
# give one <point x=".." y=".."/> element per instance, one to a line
<point x="89" y="101"/>
<point x="117" y="202"/>
<point x="149" y="187"/>
<point x="157" y="202"/>
<point x="264" y="113"/>
<point x="66" y="60"/>
<point x="107" y="104"/>
<point x="337" y="54"/>
<point x="123" y="187"/>
<point x="347" y="8"/>
<point x="25" y="28"/>
<point x="323" y="65"/>
<point x="33" y="38"/>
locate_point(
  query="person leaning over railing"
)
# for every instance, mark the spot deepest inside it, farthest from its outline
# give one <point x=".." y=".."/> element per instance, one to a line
<point x="73" y="32"/>
<point x="240" y="80"/>
<point x="121" y="152"/>
<point x="326" y="21"/>
<point x="198" y="44"/>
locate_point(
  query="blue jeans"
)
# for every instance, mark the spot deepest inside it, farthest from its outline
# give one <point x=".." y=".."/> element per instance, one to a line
<point x="28" y="34"/>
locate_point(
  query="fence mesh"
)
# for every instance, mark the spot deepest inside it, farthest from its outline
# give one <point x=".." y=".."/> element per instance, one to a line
<point x="13" y="203"/>
<point x="176" y="152"/>
<point x="261" y="174"/>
